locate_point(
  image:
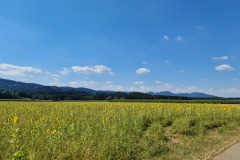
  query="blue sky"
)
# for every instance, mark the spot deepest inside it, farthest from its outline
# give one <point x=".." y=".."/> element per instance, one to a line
<point x="124" y="45"/>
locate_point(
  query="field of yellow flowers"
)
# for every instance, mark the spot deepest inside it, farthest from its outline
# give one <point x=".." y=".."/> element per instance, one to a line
<point x="112" y="130"/>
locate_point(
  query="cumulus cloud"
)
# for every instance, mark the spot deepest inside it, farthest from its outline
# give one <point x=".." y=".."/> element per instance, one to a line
<point x="227" y="92"/>
<point x="165" y="37"/>
<point x="193" y="88"/>
<point x="138" y="82"/>
<point x="108" y="82"/>
<point x="56" y="81"/>
<point x="220" y="58"/>
<point x="113" y="87"/>
<point x="97" y="69"/>
<point x="233" y="90"/>
<point x="55" y="76"/>
<point x="142" y="71"/>
<point x="154" y="88"/>
<point x="158" y="82"/>
<point x="65" y="71"/>
<point x="168" y="85"/>
<point x="144" y="89"/>
<point x="224" y="67"/>
<point x="82" y="83"/>
<point x="224" y="92"/>
<point x="12" y="70"/>
<point x="179" y="38"/>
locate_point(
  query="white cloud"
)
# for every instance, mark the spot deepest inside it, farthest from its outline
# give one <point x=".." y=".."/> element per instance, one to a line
<point x="52" y="79"/>
<point x="228" y="92"/>
<point x="65" y="71"/>
<point x="113" y="88"/>
<point x="165" y="37"/>
<point x="82" y="83"/>
<point x="224" y="67"/>
<point x="56" y="83"/>
<point x="12" y="70"/>
<point x="97" y="69"/>
<point x="221" y="58"/>
<point x="193" y="88"/>
<point x="233" y="90"/>
<point x="154" y="88"/>
<point x="168" y="85"/>
<point x="56" y="80"/>
<point x="158" y="82"/>
<point x="108" y="82"/>
<point x="142" y="71"/>
<point x="138" y="82"/>
<point x="55" y="76"/>
<point x="225" y="92"/>
<point x="179" y="38"/>
<point x="144" y="89"/>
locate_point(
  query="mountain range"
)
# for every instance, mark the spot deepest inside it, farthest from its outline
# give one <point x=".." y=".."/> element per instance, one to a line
<point x="33" y="87"/>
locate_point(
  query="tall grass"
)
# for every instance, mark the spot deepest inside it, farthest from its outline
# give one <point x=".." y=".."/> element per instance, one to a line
<point x="95" y="130"/>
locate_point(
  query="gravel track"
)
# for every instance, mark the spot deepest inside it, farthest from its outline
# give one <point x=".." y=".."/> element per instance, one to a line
<point x="232" y="153"/>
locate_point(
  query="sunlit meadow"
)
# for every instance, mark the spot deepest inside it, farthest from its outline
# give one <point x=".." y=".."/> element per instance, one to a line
<point x="105" y="130"/>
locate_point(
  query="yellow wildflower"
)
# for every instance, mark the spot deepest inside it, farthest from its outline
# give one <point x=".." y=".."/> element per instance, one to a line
<point x="54" y="131"/>
<point x="48" y="130"/>
<point x="15" y="119"/>
<point x="58" y="121"/>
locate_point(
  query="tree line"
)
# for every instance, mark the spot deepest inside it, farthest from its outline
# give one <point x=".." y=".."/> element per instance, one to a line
<point x="77" y="95"/>
<point x="80" y="95"/>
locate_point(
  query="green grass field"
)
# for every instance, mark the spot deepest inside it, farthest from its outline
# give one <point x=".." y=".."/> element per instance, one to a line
<point x="115" y="130"/>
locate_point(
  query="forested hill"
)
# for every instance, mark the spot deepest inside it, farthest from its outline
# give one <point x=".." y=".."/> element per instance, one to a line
<point x="33" y="87"/>
<point x="13" y="90"/>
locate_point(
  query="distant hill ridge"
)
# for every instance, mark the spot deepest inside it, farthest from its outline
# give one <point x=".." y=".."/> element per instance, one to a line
<point x="33" y="87"/>
<point x="190" y="95"/>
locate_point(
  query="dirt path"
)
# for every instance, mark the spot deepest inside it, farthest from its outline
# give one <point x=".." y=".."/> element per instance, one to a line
<point x="232" y="153"/>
